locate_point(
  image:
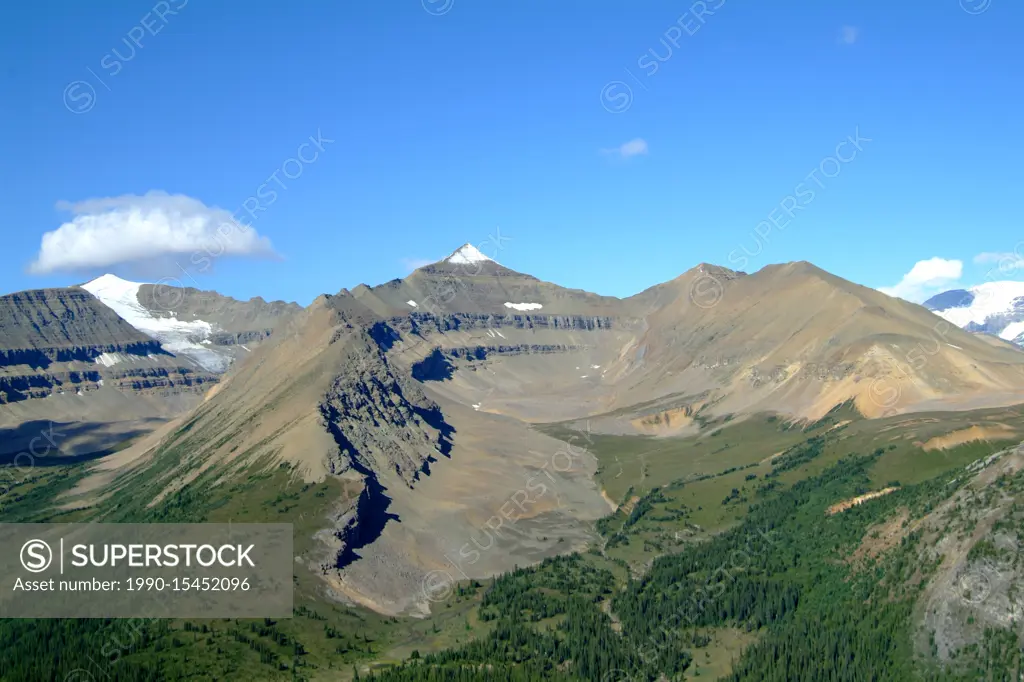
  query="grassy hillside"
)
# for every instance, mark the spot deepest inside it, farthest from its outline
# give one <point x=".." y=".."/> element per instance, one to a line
<point x="782" y="582"/>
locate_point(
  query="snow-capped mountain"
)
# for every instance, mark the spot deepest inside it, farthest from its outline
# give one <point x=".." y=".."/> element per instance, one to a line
<point x="188" y="338"/>
<point x="210" y="329"/>
<point x="995" y="308"/>
<point x="467" y="254"/>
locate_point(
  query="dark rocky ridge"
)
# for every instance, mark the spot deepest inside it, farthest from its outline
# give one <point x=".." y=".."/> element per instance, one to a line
<point x="438" y="365"/>
<point x="44" y="326"/>
<point x="51" y="341"/>
<point x="245" y="319"/>
<point x="378" y="416"/>
<point x="239" y="338"/>
<point x="15" y="387"/>
<point x="954" y="298"/>
<point x="425" y="322"/>
<point x="41" y="358"/>
<point x="68" y="342"/>
<point x="381" y="422"/>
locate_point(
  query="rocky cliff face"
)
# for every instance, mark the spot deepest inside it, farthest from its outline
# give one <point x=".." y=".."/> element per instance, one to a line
<point x="381" y="421"/>
<point x="386" y="431"/>
<point x="421" y="323"/>
<point x="44" y="326"/>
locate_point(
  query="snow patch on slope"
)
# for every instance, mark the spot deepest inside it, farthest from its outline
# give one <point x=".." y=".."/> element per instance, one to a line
<point x="176" y="336"/>
<point x="524" y="306"/>
<point x="1012" y="331"/>
<point x="110" y="359"/>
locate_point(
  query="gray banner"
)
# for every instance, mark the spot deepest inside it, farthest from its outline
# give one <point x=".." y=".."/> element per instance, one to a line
<point x="146" y="570"/>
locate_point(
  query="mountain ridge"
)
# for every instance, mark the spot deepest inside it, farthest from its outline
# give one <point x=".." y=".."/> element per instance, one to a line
<point x="119" y="361"/>
<point x="427" y="412"/>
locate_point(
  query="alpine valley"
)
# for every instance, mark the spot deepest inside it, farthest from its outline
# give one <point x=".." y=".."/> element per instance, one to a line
<point x="740" y="476"/>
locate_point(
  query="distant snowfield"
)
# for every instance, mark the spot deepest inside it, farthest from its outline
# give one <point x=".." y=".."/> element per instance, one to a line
<point x="524" y="306"/>
<point x="991" y="298"/>
<point x="175" y="336"/>
<point x="991" y="307"/>
<point x="1012" y="331"/>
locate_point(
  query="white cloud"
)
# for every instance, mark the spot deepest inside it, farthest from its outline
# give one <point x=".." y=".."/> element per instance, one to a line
<point x="848" y="35"/>
<point x="1006" y="262"/>
<point x="132" y="229"/>
<point x="926" y="278"/>
<point x="632" y="148"/>
<point x="411" y="264"/>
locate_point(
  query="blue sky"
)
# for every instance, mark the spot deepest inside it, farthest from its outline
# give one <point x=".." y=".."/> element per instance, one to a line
<point x="612" y="145"/>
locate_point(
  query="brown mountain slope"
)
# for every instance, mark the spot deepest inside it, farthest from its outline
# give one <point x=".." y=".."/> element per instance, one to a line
<point x="795" y="339"/>
<point x="790" y="338"/>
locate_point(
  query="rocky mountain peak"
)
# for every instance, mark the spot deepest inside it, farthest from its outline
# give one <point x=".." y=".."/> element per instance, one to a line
<point x="106" y="281"/>
<point x="467" y="254"/>
<point x="711" y="270"/>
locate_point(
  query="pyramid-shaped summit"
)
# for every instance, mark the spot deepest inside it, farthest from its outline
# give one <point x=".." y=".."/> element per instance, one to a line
<point x="467" y="260"/>
<point x="466" y="255"/>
